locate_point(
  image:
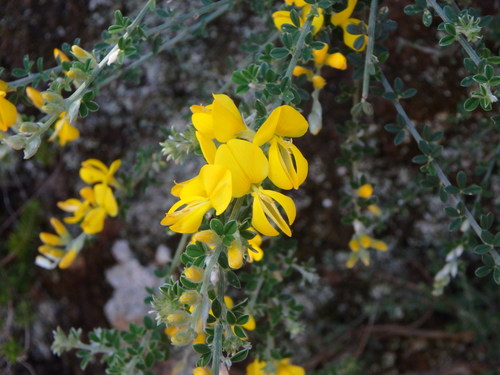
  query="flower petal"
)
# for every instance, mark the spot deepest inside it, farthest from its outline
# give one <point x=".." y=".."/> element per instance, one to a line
<point x="246" y="162"/>
<point x="217" y="181"/>
<point x="280" y="18"/>
<point x="104" y="198"/>
<point x="340" y="17"/>
<point x="284" y="121"/>
<point x="8" y="114"/>
<point x="287" y="166"/>
<point x="227" y="120"/>
<point x="94" y="221"/>
<point x="320" y="55"/>
<point x="207" y="147"/>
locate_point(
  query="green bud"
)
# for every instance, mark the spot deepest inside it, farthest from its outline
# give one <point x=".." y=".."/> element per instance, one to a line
<point x="179" y="318"/>
<point x="184" y="337"/>
<point x="29" y="127"/>
<point x="17" y="142"/>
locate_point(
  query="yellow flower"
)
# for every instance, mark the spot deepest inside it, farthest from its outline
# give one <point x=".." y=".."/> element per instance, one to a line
<point x="8" y="112"/>
<point x="359" y="246"/>
<point x="93" y="171"/>
<point x="190" y="297"/>
<point x="235" y="255"/>
<point x="374" y="209"/>
<point x="283" y="367"/>
<point x="83" y="55"/>
<point x="282" y="17"/>
<point x="287" y="166"/>
<point x="343" y="20"/>
<point x="365" y="191"/>
<point x="220" y="120"/>
<point x="318" y="82"/>
<point x="60" y="55"/>
<point x="300" y="70"/>
<point x="228" y="301"/>
<point x="298" y="3"/>
<point x="200" y="339"/>
<point x="334" y="60"/>
<point x="212" y="188"/>
<point x="60" y="248"/>
<point x="64" y="131"/>
<point x="265" y="213"/>
<point x="98" y="202"/>
<point x="35" y="97"/>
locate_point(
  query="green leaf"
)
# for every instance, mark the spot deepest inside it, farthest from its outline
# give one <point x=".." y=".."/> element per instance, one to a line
<point x="279" y="53"/>
<point x="461" y="179"/>
<point x="230" y="227"/>
<point x="467" y="81"/>
<point x="217" y="226"/>
<point x="450" y="28"/>
<point x="216" y="308"/>
<point x="483" y="271"/>
<point x="470" y="66"/>
<point x="495" y="81"/>
<point x="496" y="275"/>
<point x="232" y="279"/>
<point x="243" y="320"/>
<point x="359" y="42"/>
<point x="446" y="40"/>
<point x="487" y="237"/>
<point x="479" y="78"/>
<point x="487" y="220"/>
<point x="482" y="249"/>
<point x="420" y="159"/>
<point x="240" y="356"/>
<point x="18" y="72"/>
<point x="295" y="18"/>
<point x="240" y="332"/>
<point x="412" y="10"/>
<point x="201" y="348"/>
<point x="399" y="138"/>
<point x="452" y="212"/>
<point x="471" y="104"/>
<point x="427" y="18"/>
<point x="195" y="250"/>
<point x="455" y="224"/>
<point x="488" y="72"/>
<point x="408" y="93"/>
<point x="472" y="190"/>
<point x="230" y="317"/>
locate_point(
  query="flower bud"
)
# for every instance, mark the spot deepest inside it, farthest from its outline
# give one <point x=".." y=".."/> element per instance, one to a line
<point x="194" y="274"/>
<point x="201" y="371"/>
<point x="365" y="191"/>
<point x="17" y="142"/>
<point x="179" y="318"/>
<point x="29" y="127"/>
<point x="190" y="297"/>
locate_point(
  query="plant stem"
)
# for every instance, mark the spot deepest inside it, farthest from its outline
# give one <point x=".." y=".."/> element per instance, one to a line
<point x="300" y="43"/>
<point x="441" y="175"/>
<point x="217" y="349"/>
<point x="369" y="50"/>
<point x="461" y="39"/>
<point x="236" y="208"/>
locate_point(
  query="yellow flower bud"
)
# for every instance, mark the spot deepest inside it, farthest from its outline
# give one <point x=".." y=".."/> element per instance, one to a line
<point x="202" y="371"/>
<point x="337" y="61"/>
<point x="229" y="302"/>
<point x="194" y="274"/>
<point x="318" y="82"/>
<point x="60" y="55"/>
<point x="300" y="70"/>
<point x="365" y="191"/>
<point x="374" y="209"/>
<point x="34" y="96"/>
<point x="235" y="255"/>
<point x="80" y="53"/>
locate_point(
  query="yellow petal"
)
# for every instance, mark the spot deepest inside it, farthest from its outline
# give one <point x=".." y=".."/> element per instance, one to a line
<point x="8" y="114"/>
<point x="250" y="325"/>
<point x="259" y="219"/>
<point x="374" y="209"/>
<point x="337" y="60"/>
<point x="94" y="221"/>
<point x="265" y="211"/>
<point x="318" y="82"/>
<point x="207" y="147"/>
<point x="68" y="259"/>
<point x="202" y="371"/>
<point x="284" y="121"/>
<point x="246" y="162"/>
<point x="227" y="120"/>
<point x="256" y="368"/>
<point x="51" y="251"/>
<point x="354" y="245"/>
<point x="80" y="53"/>
<point x="69" y="205"/>
<point x="194" y="274"/>
<point x="291" y="370"/>
<point x="365" y="191"/>
<point x="203" y="123"/>
<point x="58" y="227"/>
<point x="87" y="193"/>
<point x="228" y="301"/>
<point x="35" y="97"/>
<point x="235" y="255"/>
<point x="255" y="252"/>
<point x="105" y="198"/>
<point x="300" y="70"/>
<point x="379" y="245"/>
<point x="353" y="258"/>
<point x="200" y="339"/>
<point x="365" y="241"/>
<point x="66" y="132"/>
<point x="287" y="166"/>
<point x="317" y="22"/>
<point x="349" y="39"/>
<point x="217" y="181"/>
<point x="320" y="55"/>
<point x="340" y="17"/>
<point x="51" y="239"/>
<point x="187" y="219"/>
<point x="60" y="55"/>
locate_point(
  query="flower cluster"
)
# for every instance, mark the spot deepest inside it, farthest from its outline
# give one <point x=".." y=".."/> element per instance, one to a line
<point x="98" y="202"/>
<point x="237" y="166"/>
<point x="282" y="367"/>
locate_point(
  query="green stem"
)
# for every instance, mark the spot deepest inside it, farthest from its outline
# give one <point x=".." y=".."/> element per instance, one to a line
<point x="369" y="49"/>
<point x="461" y="39"/>
<point x="255" y="294"/>
<point x="217" y="348"/>
<point x="300" y="42"/>
<point x="445" y="182"/>
<point x="236" y="208"/>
